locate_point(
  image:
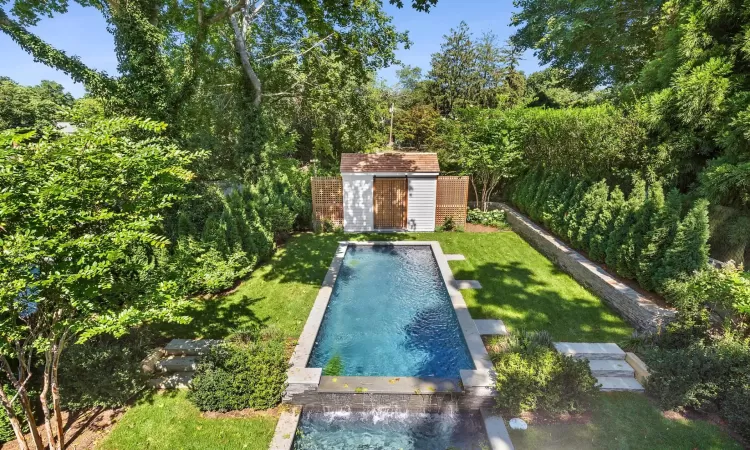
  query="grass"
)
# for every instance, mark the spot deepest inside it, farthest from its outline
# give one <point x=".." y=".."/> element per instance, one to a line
<point x="170" y="421"/>
<point x="625" y="421"/>
<point x="520" y="286"/>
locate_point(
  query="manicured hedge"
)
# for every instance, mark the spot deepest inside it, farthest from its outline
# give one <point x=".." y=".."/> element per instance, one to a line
<point x="640" y="236"/>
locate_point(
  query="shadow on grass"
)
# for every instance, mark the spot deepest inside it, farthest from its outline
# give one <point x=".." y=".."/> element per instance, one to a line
<point x="523" y="299"/>
<point x="213" y="317"/>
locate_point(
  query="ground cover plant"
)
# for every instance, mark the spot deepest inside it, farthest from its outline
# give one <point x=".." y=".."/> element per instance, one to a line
<point x="493" y="218"/>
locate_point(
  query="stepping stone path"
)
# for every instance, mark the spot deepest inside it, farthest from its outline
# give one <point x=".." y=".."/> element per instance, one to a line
<point x="455" y="258"/>
<point x="468" y="284"/>
<point x="179" y="360"/>
<point x="607" y="363"/>
<point x="491" y="327"/>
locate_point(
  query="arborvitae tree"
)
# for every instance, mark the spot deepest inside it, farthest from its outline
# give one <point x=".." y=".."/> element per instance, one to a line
<point x="661" y="235"/>
<point x="558" y="215"/>
<point x="688" y="251"/>
<point x="541" y="196"/>
<point x="623" y="245"/>
<point x="214" y="233"/>
<point x="568" y="224"/>
<point x="185" y="225"/>
<point x="234" y="240"/>
<point x="604" y="225"/>
<point x="635" y="242"/>
<point x="592" y="204"/>
<point x="552" y="204"/>
<point x="528" y="189"/>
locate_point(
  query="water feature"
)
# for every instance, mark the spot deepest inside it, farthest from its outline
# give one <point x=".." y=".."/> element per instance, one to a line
<point x="389" y="429"/>
<point x="390" y="315"/>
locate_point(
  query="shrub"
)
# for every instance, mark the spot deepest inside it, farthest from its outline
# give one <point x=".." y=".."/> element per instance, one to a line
<point x="736" y="409"/>
<point x="448" y="225"/>
<point x="688" y="251"/>
<point x="605" y="224"/>
<point x="587" y="214"/>
<point x="657" y="241"/>
<point x="533" y="376"/>
<point x="495" y="218"/>
<point x="103" y="371"/>
<point x="246" y="371"/>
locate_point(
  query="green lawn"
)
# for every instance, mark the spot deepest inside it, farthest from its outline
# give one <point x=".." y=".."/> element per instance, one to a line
<point x="625" y="421"/>
<point x="520" y="286"/>
<point x="169" y="421"/>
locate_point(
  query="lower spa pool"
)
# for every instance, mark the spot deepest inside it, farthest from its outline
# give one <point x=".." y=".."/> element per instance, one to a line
<point x="390" y="315"/>
<point x="386" y="430"/>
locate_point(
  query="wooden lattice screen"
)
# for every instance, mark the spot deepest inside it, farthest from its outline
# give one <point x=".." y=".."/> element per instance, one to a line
<point x="328" y="200"/>
<point x="452" y="197"/>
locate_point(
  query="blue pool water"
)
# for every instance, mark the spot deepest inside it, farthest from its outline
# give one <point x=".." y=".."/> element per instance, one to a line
<point x="390" y="315"/>
<point x="377" y="430"/>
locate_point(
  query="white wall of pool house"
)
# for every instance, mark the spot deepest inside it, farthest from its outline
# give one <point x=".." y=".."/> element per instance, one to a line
<point x="358" y="200"/>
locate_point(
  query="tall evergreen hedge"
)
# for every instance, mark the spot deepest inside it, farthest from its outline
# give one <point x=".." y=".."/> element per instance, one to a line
<point x="640" y="236"/>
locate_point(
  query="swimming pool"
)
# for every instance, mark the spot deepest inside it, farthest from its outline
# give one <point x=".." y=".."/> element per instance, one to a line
<point x="390" y="430"/>
<point x="390" y="315"/>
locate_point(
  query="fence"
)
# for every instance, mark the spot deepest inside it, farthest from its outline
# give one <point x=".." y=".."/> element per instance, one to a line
<point x="452" y="197"/>
<point x="328" y="201"/>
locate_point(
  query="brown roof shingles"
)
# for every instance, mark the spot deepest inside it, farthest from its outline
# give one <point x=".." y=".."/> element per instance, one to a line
<point x="389" y="162"/>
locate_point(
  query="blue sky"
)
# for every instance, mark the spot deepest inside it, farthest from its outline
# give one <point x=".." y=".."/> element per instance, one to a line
<point x="83" y="32"/>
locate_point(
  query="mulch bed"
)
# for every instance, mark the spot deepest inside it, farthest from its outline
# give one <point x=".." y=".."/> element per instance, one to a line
<point x="479" y="228"/>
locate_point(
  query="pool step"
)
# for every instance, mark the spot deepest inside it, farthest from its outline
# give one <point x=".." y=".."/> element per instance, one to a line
<point x="172" y="364"/>
<point x="590" y="351"/>
<point x="189" y="347"/>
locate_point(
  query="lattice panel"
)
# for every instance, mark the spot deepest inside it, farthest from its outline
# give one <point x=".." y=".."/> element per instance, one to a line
<point x="328" y="200"/>
<point x="389" y="201"/>
<point x="452" y="197"/>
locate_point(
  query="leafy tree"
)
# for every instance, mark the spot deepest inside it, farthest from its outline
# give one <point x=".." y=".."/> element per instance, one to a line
<point x="483" y="147"/>
<point x="597" y="43"/>
<point x="33" y="107"/>
<point x="81" y="216"/>
<point x="454" y="81"/>
<point x="416" y="127"/>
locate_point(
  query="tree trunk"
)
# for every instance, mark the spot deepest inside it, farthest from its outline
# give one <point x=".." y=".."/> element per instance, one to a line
<point x="24" y="398"/>
<point x="476" y="193"/>
<point x="239" y="40"/>
<point x="44" y="398"/>
<point x="14" y="422"/>
<point x="57" y="350"/>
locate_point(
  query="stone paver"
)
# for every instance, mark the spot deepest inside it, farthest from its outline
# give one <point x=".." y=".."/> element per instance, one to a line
<point x="468" y="284"/>
<point x="177" y="380"/>
<point x="455" y="257"/>
<point x="497" y="433"/>
<point x="611" y="368"/>
<point x="189" y="347"/>
<point x="609" y="384"/>
<point x="178" y="364"/>
<point x="491" y="327"/>
<point x="582" y="350"/>
<point x="286" y="427"/>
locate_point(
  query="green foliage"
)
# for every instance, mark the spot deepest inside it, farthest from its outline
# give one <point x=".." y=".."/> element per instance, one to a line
<point x="736" y="409"/>
<point x="103" y="372"/>
<point x="448" y="225"/>
<point x="533" y="376"/>
<point x="494" y="218"/>
<point x="416" y="127"/>
<point x="688" y="251"/>
<point x="657" y="240"/>
<point x="247" y="371"/>
<point x="35" y="107"/>
<point x="725" y="289"/>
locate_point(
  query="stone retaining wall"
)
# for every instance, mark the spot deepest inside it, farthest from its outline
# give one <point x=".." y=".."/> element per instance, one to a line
<point x="639" y="311"/>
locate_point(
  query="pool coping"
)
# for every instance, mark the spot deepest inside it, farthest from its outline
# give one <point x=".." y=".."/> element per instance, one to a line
<point x="477" y="381"/>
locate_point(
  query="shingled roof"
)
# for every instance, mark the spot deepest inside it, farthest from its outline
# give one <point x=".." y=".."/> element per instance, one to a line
<point x="389" y="162"/>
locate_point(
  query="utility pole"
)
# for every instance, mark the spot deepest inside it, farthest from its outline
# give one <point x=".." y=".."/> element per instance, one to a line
<point x="390" y="139"/>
